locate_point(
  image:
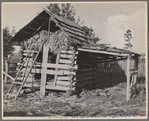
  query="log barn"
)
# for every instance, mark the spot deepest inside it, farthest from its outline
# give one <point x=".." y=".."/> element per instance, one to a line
<point x="69" y="59"/>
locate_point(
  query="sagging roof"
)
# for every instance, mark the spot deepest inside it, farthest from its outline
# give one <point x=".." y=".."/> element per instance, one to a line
<point x="73" y="30"/>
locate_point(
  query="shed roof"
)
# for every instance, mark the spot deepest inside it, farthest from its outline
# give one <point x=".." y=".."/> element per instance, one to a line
<point x="72" y="30"/>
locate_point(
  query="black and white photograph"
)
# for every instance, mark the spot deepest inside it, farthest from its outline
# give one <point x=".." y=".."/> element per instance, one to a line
<point x="74" y="60"/>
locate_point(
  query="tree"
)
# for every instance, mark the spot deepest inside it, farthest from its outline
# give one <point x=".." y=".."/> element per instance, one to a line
<point x="65" y="10"/>
<point x="128" y="37"/>
<point x="13" y="32"/>
<point x="91" y="33"/>
<point x="7" y="45"/>
<point x="68" y="12"/>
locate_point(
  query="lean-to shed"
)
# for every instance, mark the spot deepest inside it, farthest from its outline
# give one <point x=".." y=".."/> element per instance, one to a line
<point x="75" y="55"/>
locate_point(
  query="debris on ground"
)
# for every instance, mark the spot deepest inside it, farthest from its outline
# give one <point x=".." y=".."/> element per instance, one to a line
<point x="97" y="102"/>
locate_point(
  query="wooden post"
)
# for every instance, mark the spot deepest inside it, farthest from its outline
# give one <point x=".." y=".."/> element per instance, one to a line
<point x="105" y="63"/>
<point x="132" y="80"/>
<point x="128" y="79"/>
<point x="6" y="70"/>
<point x="49" y="27"/>
<point x="114" y="66"/>
<point x="73" y="79"/>
<point x="8" y="76"/>
<point x="135" y="66"/>
<point x="57" y="61"/>
<point x="44" y="68"/>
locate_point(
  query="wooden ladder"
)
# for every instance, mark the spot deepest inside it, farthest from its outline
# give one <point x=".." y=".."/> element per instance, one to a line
<point x="19" y="83"/>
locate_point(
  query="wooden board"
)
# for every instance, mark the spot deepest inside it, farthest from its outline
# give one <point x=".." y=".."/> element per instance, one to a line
<point x="64" y="78"/>
<point x="30" y="85"/>
<point x="69" y="73"/>
<point x="84" y="70"/>
<point x="26" y="51"/>
<point x="86" y="74"/>
<point x="30" y="59"/>
<point x="128" y="79"/>
<point x="37" y="64"/>
<point x="57" y="62"/>
<point x="102" y="52"/>
<point x="69" y="52"/>
<point x="61" y="88"/>
<point x="51" y="86"/>
<point x="33" y="70"/>
<point x="44" y="75"/>
<point x="86" y="78"/>
<point x="66" y="83"/>
<point x="26" y="54"/>
<point x="67" y="48"/>
<point x="65" y="61"/>
<point x="51" y="72"/>
<point x="6" y="70"/>
<point x="67" y="56"/>
<point x="61" y="66"/>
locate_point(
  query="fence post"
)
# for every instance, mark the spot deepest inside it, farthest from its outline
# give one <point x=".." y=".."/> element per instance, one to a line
<point x="128" y="79"/>
<point x="136" y="66"/>
<point x="6" y="70"/>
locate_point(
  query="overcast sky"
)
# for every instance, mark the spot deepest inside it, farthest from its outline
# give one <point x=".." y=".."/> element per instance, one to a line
<point x="109" y="20"/>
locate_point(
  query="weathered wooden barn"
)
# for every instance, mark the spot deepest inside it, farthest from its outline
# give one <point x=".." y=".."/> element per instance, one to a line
<point x="64" y="57"/>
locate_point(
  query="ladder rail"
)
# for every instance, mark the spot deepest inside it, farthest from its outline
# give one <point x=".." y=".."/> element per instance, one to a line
<point x="27" y="60"/>
<point x="29" y="71"/>
<point x="24" y="80"/>
<point x="23" y="62"/>
<point x="18" y="73"/>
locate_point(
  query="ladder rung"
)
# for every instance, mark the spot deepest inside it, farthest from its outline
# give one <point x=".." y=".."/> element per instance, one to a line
<point x="24" y="71"/>
<point x="17" y="82"/>
<point x="34" y="51"/>
<point x="28" y="51"/>
<point x="19" y="78"/>
<point x="11" y="95"/>
<point x="28" y="60"/>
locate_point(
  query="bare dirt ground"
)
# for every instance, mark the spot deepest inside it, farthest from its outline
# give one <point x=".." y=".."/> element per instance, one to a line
<point x="98" y="102"/>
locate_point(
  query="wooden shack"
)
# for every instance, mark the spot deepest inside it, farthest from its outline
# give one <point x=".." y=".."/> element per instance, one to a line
<point x="69" y="58"/>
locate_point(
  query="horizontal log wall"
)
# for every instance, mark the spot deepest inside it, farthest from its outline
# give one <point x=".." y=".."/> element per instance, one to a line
<point x="67" y="65"/>
<point x="86" y="73"/>
<point x="65" y="69"/>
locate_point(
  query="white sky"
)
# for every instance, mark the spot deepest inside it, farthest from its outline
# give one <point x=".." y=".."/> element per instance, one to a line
<point x="109" y="20"/>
